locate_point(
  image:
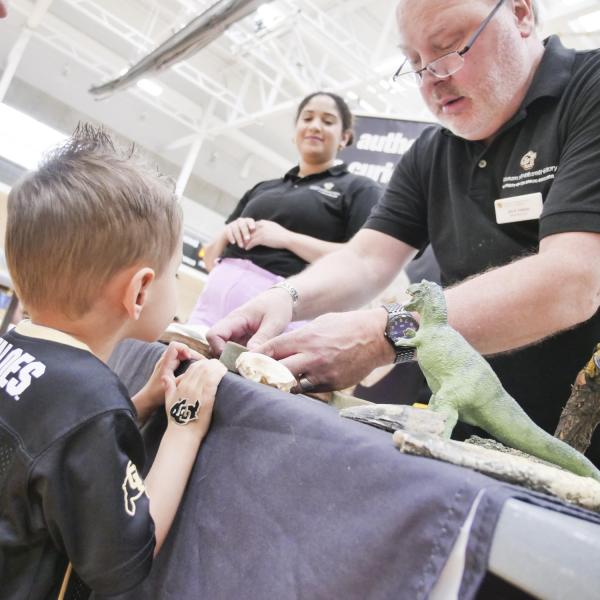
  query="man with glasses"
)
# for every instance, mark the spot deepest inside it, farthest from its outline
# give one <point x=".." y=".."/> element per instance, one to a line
<point x="507" y="191"/>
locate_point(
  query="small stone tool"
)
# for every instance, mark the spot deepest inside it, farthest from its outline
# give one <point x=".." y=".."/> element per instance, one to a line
<point x="338" y="400"/>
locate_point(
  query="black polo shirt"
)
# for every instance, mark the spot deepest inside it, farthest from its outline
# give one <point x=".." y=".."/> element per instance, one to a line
<point x="330" y="206"/>
<point x="444" y="189"/>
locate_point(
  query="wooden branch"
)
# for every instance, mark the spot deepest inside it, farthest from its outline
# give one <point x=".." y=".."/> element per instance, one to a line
<point x="581" y="414"/>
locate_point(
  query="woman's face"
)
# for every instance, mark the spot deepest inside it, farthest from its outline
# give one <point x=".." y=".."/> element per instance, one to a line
<point x="319" y="132"/>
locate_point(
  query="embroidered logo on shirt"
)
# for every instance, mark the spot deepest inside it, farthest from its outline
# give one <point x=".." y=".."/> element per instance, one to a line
<point x="133" y="488"/>
<point x="17" y="368"/>
<point x="528" y="161"/>
<point x="326" y="190"/>
<point x="529" y="178"/>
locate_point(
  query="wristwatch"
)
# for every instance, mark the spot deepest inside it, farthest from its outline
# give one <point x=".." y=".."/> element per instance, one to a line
<point x="399" y="320"/>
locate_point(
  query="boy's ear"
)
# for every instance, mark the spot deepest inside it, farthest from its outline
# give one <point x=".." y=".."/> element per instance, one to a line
<point x="136" y="291"/>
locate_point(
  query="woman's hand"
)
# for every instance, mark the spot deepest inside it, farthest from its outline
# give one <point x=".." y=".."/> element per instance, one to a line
<point x="270" y="234"/>
<point x="240" y="231"/>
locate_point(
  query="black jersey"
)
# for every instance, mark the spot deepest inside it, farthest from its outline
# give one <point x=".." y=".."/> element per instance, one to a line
<point x="70" y="453"/>
<point x="330" y="206"/>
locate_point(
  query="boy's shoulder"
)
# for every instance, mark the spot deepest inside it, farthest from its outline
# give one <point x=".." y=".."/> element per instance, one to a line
<point x="48" y="389"/>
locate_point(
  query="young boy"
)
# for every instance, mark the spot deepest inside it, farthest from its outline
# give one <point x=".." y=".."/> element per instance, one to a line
<point x="93" y="243"/>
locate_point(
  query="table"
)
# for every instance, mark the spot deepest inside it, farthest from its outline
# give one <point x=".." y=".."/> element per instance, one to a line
<point x="289" y="500"/>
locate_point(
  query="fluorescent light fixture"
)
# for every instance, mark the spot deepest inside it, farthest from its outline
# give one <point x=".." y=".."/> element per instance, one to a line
<point x="150" y="87"/>
<point x="268" y="15"/>
<point x="23" y="139"/>
<point x="587" y="23"/>
<point x="366" y="106"/>
<point x="351" y="95"/>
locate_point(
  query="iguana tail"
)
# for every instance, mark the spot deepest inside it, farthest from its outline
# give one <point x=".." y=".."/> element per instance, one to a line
<point x="518" y="431"/>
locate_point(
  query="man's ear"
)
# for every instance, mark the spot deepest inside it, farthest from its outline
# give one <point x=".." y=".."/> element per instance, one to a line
<point x="524" y="15"/>
<point x="136" y="291"/>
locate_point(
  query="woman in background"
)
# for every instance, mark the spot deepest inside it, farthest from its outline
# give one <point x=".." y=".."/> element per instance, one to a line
<point x="280" y="226"/>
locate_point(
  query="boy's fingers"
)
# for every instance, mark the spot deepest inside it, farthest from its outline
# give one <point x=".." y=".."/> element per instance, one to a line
<point x="194" y="355"/>
<point x="200" y="375"/>
<point x="168" y="384"/>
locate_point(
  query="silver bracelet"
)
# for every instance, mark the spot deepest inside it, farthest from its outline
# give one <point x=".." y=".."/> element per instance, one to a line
<point x="290" y="289"/>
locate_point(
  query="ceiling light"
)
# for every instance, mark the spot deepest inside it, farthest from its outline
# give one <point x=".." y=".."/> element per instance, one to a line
<point x="150" y="87"/>
<point x="267" y="16"/>
<point x="23" y="139"/>
<point x="366" y="106"/>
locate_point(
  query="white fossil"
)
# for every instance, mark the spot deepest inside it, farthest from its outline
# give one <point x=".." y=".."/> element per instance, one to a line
<point x="264" y="369"/>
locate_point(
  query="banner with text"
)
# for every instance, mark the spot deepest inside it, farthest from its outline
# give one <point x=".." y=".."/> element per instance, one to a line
<point x="378" y="145"/>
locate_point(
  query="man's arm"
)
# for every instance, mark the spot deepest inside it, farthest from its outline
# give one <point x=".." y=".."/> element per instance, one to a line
<point x="502" y="309"/>
<point x="531" y="298"/>
<point x="352" y="276"/>
<point x="341" y="280"/>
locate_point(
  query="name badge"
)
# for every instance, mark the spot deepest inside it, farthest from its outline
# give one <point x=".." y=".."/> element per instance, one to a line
<point x="519" y="208"/>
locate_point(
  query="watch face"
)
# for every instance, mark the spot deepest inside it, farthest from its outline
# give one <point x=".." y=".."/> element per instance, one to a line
<point x="398" y="324"/>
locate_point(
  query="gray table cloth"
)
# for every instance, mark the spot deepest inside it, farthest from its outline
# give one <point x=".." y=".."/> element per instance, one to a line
<point x="287" y="500"/>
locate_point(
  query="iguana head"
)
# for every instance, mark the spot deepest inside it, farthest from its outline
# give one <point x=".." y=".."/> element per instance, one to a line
<point x="423" y="294"/>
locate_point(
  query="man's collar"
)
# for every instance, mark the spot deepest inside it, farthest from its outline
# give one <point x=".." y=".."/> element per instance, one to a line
<point x="553" y="72"/>
<point x="337" y="169"/>
<point x="29" y="329"/>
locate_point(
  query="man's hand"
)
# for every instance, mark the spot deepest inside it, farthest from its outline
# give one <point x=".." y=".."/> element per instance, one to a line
<point x="335" y="350"/>
<point x="257" y="321"/>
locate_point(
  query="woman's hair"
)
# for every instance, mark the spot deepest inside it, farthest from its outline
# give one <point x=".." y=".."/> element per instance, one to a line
<point x="343" y="110"/>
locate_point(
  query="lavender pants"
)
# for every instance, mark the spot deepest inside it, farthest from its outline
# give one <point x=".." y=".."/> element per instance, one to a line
<point x="232" y="282"/>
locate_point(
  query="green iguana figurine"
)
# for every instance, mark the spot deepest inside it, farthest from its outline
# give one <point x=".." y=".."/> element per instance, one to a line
<point x="465" y="387"/>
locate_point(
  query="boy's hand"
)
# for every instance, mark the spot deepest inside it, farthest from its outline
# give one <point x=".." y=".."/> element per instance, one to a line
<point x="190" y="399"/>
<point x="152" y="394"/>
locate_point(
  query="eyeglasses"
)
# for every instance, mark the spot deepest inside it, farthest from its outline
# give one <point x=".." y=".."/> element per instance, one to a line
<point x="450" y="63"/>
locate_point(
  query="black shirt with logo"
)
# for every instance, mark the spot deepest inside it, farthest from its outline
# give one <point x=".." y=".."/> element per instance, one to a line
<point x="330" y="206"/>
<point x="70" y="453"/>
<point x="444" y="191"/>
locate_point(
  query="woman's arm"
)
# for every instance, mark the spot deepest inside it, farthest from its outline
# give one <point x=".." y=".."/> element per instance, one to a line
<point x="237" y="232"/>
<point x="213" y="250"/>
<point x="273" y="235"/>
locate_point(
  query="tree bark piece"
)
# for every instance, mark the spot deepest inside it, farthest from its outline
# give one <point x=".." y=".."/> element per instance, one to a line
<point x="581" y="491"/>
<point x="581" y="414"/>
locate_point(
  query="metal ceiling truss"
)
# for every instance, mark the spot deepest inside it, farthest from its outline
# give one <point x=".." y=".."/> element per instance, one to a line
<point x="95" y="57"/>
<point x="265" y="70"/>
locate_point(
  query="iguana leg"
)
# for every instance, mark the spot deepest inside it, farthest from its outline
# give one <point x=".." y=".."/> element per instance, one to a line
<point x="437" y="404"/>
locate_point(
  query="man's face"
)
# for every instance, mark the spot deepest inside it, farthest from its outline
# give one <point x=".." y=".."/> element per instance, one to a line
<point x="476" y="101"/>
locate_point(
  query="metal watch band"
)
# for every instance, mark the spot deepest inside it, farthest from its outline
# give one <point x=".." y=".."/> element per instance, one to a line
<point x="399" y="320"/>
<point x="290" y="289"/>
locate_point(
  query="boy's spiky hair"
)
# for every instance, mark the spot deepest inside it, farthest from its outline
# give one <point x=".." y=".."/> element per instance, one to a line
<point x="88" y="211"/>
